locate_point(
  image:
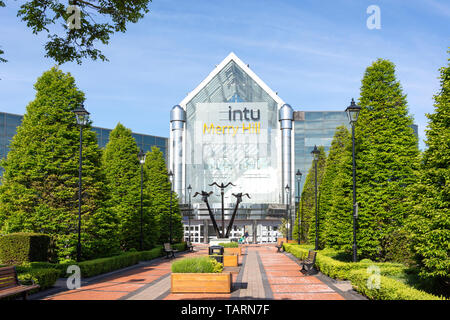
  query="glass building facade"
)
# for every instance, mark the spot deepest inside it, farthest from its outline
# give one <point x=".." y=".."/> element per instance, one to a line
<point x="9" y="123"/>
<point x="314" y="128"/>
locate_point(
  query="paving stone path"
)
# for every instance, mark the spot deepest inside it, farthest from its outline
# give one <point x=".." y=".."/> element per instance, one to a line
<point x="263" y="274"/>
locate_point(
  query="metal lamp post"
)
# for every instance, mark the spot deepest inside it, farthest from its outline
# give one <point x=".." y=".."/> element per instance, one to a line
<point x="189" y="214"/>
<point x="82" y="119"/>
<point x="299" y="179"/>
<point x="170" y="174"/>
<point x="141" y="157"/>
<point x="352" y="113"/>
<point x="315" y="154"/>
<point x="287" y="189"/>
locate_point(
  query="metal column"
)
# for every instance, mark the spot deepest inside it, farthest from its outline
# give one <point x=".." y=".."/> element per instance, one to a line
<point x="177" y="120"/>
<point x="286" y="116"/>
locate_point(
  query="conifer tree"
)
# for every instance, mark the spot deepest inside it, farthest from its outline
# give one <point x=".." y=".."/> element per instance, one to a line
<point x="430" y="222"/>
<point x="311" y="215"/>
<point x="306" y="207"/>
<point x="158" y="188"/>
<point x="338" y="225"/>
<point x="122" y="170"/>
<point x="334" y="191"/>
<point x="386" y="159"/>
<point x="39" y="191"/>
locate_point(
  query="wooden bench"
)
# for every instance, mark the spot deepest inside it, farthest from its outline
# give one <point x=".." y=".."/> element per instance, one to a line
<point x="189" y="246"/>
<point x="170" y="252"/>
<point x="279" y="247"/>
<point x="10" y="285"/>
<point x="308" y="263"/>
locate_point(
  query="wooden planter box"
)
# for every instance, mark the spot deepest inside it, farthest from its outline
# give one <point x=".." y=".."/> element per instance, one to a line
<point x="231" y="251"/>
<point x="293" y="241"/>
<point x="230" y="260"/>
<point x="201" y="282"/>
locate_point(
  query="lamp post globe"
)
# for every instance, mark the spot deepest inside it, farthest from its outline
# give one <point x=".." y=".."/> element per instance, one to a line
<point x="82" y="117"/>
<point x="352" y="114"/>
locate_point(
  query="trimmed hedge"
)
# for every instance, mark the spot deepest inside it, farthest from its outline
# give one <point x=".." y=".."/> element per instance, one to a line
<point x="16" y="248"/>
<point x="44" y="277"/>
<point x="95" y="267"/>
<point x="197" y="265"/>
<point x="390" y="289"/>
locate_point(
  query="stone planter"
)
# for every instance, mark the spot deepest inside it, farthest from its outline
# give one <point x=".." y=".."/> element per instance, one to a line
<point x="201" y="282"/>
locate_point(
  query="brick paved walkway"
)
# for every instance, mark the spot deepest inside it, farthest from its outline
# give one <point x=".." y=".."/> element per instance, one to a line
<point x="263" y="274"/>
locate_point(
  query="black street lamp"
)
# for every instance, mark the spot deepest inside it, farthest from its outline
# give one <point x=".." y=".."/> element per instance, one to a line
<point x="299" y="179"/>
<point x="170" y="174"/>
<point x="82" y="119"/>
<point x="315" y="154"/>
<point x="287" y="189"/>
<point x="352" y="113"/>
<point x="189" y="216"/>
<point x="141" y="157"/>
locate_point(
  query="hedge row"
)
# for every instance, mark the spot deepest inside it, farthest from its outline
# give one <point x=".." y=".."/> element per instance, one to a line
<point x="95" y="267"/>
<point x="44" y="277"/>
<point x="388" y="289"/>
<point x="16" y="248"/>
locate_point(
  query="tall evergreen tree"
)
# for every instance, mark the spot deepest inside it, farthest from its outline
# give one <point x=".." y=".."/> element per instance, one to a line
<point x="430" y="222"/>
<point x="334" y="192"/>
<point x="122" y="170"/>
<point x="306" y="207"/>
<point x="311" y="215"/>
<point x="158" y="188"/>
<point x="386" y="159"/>
<point x="39" y="190"/>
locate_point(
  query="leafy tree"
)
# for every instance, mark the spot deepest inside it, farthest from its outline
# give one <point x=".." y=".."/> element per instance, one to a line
<point x="430" y="222"/>
<point x="158" y="188"/>
<point x="386" y="159"/>
<point x="307" y="206"/>
<point x="123" y="183"/>
<point x="98" y="21"/>
<point x="39" y="191"/>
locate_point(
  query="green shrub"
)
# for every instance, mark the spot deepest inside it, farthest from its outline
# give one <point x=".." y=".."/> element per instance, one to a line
<point x="45" y="278"/>
<point x="180" y="246"/>
<point x="388" y="289"/>
<point x="357" y="273"/>
<point x="16" y="248"/>
<point x="197" y="265"/>
<point x="229" y="245"/>
<point x="151" y="254"/>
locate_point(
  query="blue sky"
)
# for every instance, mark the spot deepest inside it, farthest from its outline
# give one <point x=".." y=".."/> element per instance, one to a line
<point x="313" y="53"/>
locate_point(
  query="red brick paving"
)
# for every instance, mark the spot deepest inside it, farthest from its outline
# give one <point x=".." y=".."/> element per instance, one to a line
<point x="282" y="274"/>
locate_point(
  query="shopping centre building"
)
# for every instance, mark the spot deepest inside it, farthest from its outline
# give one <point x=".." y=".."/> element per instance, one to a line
<point x="233" y="128"/>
